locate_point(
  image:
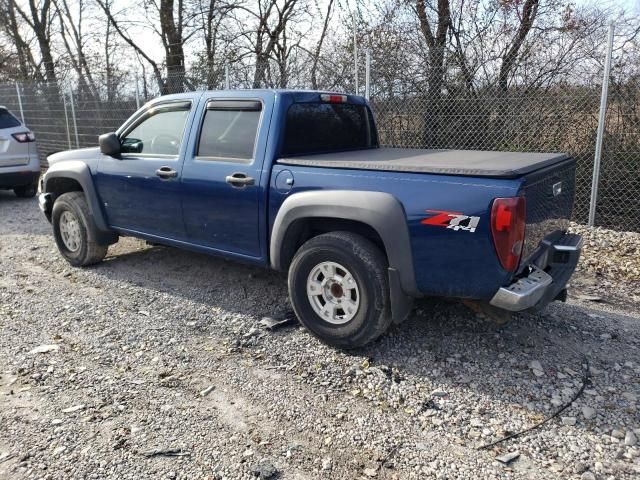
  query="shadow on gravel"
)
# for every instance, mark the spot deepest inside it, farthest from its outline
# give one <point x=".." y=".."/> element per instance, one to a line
<point x="7" y="197"/>
<point x="443" y="344"/>
<point x="205" y="279"/>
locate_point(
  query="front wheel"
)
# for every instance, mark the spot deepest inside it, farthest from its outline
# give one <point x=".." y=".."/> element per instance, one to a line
<point x="72" y="222"/>
<point x="339" y="289"/>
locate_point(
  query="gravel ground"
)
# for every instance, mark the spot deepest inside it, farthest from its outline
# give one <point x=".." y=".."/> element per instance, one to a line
<point x="610" y="268"/>
<point x="158" y="368"/>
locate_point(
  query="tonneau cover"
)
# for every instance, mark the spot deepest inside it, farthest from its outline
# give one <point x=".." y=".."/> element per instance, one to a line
<point x="446" y="162"/>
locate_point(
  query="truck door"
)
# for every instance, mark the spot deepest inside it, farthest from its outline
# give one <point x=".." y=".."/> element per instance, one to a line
<point x="141" y="190"/>
<point x="221" y="178"/>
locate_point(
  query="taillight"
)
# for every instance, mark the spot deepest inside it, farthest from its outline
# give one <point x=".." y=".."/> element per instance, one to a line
<point x="325" y="97"/>
<point x="507" y="227"/>
<point x="24" y="137"/>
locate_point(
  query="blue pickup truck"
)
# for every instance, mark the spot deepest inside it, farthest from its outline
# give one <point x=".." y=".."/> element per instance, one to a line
<point x="296" y="181"/>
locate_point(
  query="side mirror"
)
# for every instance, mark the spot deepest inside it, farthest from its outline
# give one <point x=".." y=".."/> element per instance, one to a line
<point x="110" y="144"/>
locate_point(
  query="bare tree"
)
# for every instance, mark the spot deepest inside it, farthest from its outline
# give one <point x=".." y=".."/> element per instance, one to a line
<point x="210" y="17"/>
<point x="436" y="42"/>
<point x="442" y="47"/>
<point x="272" y="17"/>
<point x="157" y="72"/>
<point x="39" y="18"/>
<point x="9" y="22"/>
<point x="171" y="32"/>
<point x="527" y="17"/>
<point x="437" y="46"/>
<point x="109" y="77"/>
<point x="318" y="49"/>
<point x="74" y="38"/>
<point x="287" y="46"/>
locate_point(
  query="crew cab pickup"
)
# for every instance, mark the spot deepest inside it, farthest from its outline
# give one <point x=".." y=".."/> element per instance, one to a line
<point x="296" y="181"/>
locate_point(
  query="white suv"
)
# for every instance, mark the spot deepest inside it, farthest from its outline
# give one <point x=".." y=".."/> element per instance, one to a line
<point x="19" y="163"/>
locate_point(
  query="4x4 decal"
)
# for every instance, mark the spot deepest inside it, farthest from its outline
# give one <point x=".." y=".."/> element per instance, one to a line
<point x="453" y="220"/>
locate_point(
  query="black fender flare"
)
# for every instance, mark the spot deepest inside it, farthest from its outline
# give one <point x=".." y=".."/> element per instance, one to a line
<point x="380" y="211"/>
<point x="79" y="171"/>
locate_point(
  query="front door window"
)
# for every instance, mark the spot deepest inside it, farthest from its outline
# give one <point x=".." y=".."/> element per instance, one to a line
<point x="159" y="133"/>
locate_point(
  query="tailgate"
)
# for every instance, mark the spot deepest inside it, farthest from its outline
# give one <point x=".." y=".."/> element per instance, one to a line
<point x="549" y="193"/>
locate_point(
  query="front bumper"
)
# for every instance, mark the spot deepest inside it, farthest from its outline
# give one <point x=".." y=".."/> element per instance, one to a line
<point x="45" y="202"/>
<point x="544" y="280"/>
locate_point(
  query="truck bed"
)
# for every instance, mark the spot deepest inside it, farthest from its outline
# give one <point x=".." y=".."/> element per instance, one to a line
<point x="445" y="162"/>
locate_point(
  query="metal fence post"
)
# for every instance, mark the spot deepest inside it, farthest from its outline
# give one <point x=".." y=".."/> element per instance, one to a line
<point x="137" y="93"/>
<point x="367" y="76"/>
<point x="73" y="116"/>
<point x="355" y="52"/>
<point x="20" y="101"/>
<point x="601" y="121"/>
<point x="66" y="120"/>
<point x="227" y="83"/>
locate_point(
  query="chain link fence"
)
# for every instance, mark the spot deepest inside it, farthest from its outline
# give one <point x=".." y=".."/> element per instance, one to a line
<point x="618" y="202"/>
<point x="554" y="119"/>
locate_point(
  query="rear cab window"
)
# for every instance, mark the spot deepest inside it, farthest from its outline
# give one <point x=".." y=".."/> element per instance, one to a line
<point x="7" y="120"/>
<point x="318" y="127"/>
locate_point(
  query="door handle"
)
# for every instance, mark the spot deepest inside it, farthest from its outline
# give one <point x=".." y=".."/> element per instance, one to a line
<point x="166" y="173"/>
<point x="239" y="180"/>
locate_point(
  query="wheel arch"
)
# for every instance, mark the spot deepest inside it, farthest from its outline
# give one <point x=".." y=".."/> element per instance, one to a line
<point x="302" y="229"/>
<point x="75" y="176"/>
<point x="59" y="185"/>
<point x="378" y="216"/>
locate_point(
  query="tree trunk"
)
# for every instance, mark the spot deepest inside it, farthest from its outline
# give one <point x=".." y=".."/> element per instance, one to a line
<point x="26" y="63"/>
<point x="436" y="44"/>
<point x="316" y="56"/>
<point x="173" y="43"/>
<point x="529" y="12"/>
<point x="41" y="26"/>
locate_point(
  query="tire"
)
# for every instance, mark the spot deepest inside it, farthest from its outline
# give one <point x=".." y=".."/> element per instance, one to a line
<point x="27" y="191"/>
<point x="79" y="250"/>
<point x="354" y="255"/>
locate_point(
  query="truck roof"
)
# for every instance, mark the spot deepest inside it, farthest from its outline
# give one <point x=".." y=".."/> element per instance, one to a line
<point x="298" y="95"/>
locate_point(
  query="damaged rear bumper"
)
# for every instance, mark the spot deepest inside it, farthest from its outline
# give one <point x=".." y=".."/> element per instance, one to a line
<point x="544" y="280"/>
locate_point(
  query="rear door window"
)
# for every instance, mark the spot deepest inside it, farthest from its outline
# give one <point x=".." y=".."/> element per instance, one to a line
<point x="328" y="127"/>
<point x="229" y="130"/>
<point x="7" y="120"/>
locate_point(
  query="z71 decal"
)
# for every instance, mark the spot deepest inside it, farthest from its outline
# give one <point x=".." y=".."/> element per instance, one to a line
<point x="453" y="220"/>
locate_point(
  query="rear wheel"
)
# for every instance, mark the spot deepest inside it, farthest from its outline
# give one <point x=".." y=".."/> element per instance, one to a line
<point x="27" y="191"/>
<point x="339" y="289"/>
<point x="72" y="223"/>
